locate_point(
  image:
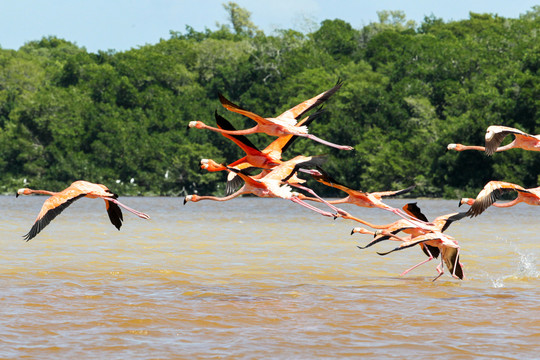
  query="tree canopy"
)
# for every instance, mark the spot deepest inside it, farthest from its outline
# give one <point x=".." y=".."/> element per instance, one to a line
<point x="119" y="118"/>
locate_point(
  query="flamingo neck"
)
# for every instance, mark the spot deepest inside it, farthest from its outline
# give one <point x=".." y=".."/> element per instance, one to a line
<point x="252" y="130"/>
<point x="37" y="192"/>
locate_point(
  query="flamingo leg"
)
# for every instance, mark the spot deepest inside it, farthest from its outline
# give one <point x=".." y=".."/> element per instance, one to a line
<point x="324" y="142"/>
<point x="311" y="207"/>
<point x="336" y="209"/>
<point x="138" y="213"/>
<point x="439" y="268"/>
<point x="417" y="265"/>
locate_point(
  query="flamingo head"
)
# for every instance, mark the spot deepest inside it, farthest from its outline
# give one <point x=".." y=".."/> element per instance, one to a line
<point x="23" y="191"/>
<point x="195" y="124"/>
<point x="361" y="230"/>
<point x="192" y="198"/>
<point x="467" y="201"/>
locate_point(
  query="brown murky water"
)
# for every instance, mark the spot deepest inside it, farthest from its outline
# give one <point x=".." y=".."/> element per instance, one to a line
<point x="260" y="278"/>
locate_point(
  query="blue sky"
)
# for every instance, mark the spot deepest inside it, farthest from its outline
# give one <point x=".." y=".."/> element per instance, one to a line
<point x="124" y="24"/>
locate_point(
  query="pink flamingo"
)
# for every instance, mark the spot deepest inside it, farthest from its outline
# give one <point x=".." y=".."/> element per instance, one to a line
<point x="448" y="248"/>
<point x="494" y="137"/>
<point x="440" y="224"/>
<point x="59" y="201"/>
<point x="364" y="199"/>
<point x="284" y="124"/>
<point x="493" y="191"/>
<point x="273" y="184"/>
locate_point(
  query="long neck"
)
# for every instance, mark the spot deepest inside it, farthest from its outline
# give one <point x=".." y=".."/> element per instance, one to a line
<point x="40" y="192"/>
<point x="471" y="147"/>
<point x="349" y="216"/>
<point x="233" y="132"/>
<point x="242" y="190"/>
<point x="509" y="203"/>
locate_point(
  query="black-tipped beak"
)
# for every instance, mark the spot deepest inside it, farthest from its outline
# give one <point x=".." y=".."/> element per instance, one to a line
<point x="352" y="231"/>
<point x="16" y="195"/>
<point x="185" y="201"/>
<point x="459" y="204"/>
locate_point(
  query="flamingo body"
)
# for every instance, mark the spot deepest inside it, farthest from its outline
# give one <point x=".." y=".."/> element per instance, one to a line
<point x="495" y="134"/>
<point x="59" y="201"/>
<point x="494" y="190"/>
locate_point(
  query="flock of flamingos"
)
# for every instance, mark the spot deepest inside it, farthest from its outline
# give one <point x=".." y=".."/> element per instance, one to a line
<point x="265" y="174"/>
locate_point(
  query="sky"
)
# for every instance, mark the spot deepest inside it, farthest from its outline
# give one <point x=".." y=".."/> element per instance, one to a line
<point x="124" y="24"/>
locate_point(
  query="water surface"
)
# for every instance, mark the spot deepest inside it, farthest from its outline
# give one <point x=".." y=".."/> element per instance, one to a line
<point x="260" y="278"/>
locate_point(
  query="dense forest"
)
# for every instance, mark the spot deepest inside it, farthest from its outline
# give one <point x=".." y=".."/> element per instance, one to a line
<point x="120" y="118"/>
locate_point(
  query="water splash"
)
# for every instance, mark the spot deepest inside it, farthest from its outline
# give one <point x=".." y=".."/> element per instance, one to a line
<point x="526" y="266"/>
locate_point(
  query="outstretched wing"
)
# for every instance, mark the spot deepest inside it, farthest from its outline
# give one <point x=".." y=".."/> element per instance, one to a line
<point x="328" y="180"/>
<point x="237" y="109"/>
<point x="115" y="214"/>
<point x="282" y="143"/>
<point x="495" y="135"/>
<point x="417" y="240"/>
<point x="300" y="109"/>
<point x="444" y="221"/>
<point x="493" y="191"/>
<point x="243" y="142"/>
<point x="52" y="207"/>
<point x="413" y="210"/>
<point x="381" y="194"/>
<point x="287" y="169"/>
<point x="451" y="259"/>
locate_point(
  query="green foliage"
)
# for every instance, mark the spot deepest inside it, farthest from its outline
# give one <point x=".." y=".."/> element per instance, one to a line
<point x="120" y="118"/>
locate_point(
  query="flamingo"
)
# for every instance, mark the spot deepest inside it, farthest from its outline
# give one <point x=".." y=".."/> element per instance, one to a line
<point x="265" y="159"/>
<point x="494" y="137"/>
<point x="363" y="199"/>
<point x="448" y="248"/>
<point x="493" y="191"/>
<point x="273" y="184"/>
<point x="385" y="232"/>
<point x="58" y="201"/>
<point x="284" y="124"/>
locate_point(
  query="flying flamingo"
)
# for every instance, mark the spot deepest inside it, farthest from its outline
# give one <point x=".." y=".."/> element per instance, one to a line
<point x="494" y="137"/>
<point x="494" y="190"/>
<point x="448" y="248"/>
<point x="284" y="124"/>
<point x="58" y="201"/>
<point x="363" y="199"/>
<point x="265" y="159"/>
<point x="385" y="232"/>
<point x="273" y="184"/>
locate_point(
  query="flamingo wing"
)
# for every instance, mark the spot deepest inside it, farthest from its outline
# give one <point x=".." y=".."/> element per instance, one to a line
<point x="286" y="170"/>
<point x="381" y="194"/>
<point x="413" y="210"/>
<point x="237" y="109"/>
<point x="491" y="193"/>
<point x="300" y="109"/>
<point x="415" y="241"/>
<point x="451" y="259"/>
<point x="328" y="180"/>
<point x="115" y="214"/>
<point x="495" y="135"/>
<point x="379" y="238"/>
<point x="243" y="142"/>
<point x="282" y="143"/>
<point x="443" y="222"/>
<point x="52" y="207"/>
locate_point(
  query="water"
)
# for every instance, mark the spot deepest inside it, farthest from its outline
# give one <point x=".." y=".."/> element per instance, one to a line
<point x="260" y="278"/>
